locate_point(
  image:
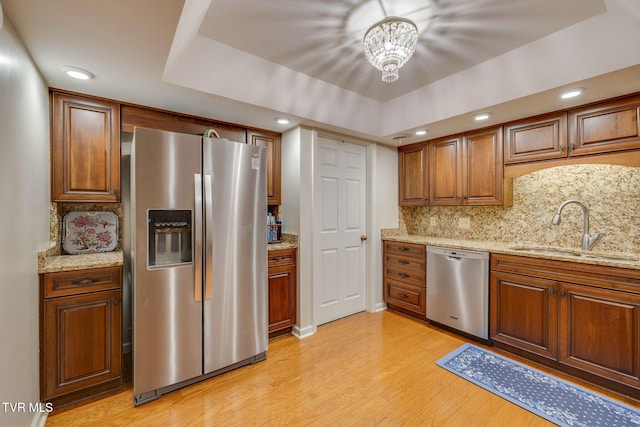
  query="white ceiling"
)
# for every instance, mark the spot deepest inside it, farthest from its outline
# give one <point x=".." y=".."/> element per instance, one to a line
<point x="247" y="61"/>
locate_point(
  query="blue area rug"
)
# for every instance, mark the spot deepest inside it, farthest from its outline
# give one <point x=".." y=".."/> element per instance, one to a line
<point x="558" y="401"/>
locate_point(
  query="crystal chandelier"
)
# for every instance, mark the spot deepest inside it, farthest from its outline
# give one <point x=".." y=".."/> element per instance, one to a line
<point x="389" y="44"/>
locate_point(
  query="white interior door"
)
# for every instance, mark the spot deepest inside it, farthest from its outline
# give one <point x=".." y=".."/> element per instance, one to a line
<point x="340" y="225"/>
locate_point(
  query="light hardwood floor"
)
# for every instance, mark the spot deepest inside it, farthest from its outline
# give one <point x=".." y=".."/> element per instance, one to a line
<point x="370" y="369"/>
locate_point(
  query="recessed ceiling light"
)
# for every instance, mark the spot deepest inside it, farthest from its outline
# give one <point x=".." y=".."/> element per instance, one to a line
<point x="482" y="116"/>
<point x="282" y="120"/>
<point x="421" y="132"/>
<point x="572" y="93"/>
<point x="78" y="73"/>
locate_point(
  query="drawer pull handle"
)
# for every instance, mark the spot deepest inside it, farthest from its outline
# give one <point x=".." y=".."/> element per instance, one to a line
<point x="403" y="295"/>
<point x="403" y="262"/>
<point x="85" y="281"/>
<point x="406" y="276"/>
<point x="403" y="249"/>
<point x="278" y="258"/>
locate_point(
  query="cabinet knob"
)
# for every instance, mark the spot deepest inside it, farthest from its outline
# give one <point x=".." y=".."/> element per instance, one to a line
<point x="116" y="302"/>
<point x="562" y="293"/>
<point x="115" y="191"/>
<point x="363" y="237"/>
<point x="572" y="147"/>
<point x="551" y="292"/>
<point x="561" y="147"/>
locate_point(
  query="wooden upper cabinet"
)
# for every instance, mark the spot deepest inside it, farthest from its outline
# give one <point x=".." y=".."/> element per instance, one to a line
<point x="85" y="149"/>
<point x="483" y="182"/>
<point x="539" y="138"/>
<point x="272" y="143"/>
<point x="606" y="127"/>
<point x="445" y="171"/>
<point x="467" y="170"/>
<point x="412" y="179"/>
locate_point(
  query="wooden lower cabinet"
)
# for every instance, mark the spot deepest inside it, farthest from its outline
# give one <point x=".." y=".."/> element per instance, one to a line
<point x="404" y="278"/>
<point x="599" y="332"/>
<point x="282" y="291"/>
<point x="80" y="334"/>
<point x="524" y="313"/>
<point x="579" y="318"/>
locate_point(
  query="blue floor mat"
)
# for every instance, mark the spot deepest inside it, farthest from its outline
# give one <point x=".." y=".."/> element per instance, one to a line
<point x="556" y="400"/>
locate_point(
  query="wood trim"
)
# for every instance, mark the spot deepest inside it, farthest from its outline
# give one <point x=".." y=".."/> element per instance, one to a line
<point x="622" y="158"/>
<point x="133" y="116"/>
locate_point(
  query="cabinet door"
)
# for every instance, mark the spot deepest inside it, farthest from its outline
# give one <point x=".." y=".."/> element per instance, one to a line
<point x="405" y="295"/>
<point x="272" y="144"/>
<point x="539" y="138"/>
<point x="524" y="313"/>
<point x="412" y="170"/>
<point x="482" y="166"/>
<point x="612" y="126"/>
<point x="282" y="297"/>
<point x="85" y="149"/>
<point x="445" y="172"/>
<point x="598" y="332"/>
<point x="82" y="342"/>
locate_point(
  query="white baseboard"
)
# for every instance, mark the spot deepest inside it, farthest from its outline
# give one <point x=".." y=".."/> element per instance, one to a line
<point x="304" y="332"/>
<point x="39" y="419"/>
<point x="381" y="306"/>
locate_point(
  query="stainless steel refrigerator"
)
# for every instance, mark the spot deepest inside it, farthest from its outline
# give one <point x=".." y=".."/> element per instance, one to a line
<point x="199" y="259"/>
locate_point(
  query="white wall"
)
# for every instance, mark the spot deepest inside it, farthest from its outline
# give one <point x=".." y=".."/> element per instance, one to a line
<point x="383" y="213"/>
<point x="24" y="222"/>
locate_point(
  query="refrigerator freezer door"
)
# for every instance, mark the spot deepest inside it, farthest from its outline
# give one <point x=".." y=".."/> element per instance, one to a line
<point x="235" y="314"/>
<point x="167" y="313"/>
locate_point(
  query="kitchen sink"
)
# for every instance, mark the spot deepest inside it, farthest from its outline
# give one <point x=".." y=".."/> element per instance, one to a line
<point x="610" y="257"/>
<point x="553" y="251"/>
<point x="547" y="251"/>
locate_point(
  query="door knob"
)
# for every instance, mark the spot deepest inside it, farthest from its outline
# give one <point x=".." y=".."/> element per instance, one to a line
<point x="363" y="237"/>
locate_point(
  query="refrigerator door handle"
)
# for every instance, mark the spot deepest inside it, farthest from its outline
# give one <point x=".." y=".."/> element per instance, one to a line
<point x="197" y="193"/>
<point x="208" y="236"/>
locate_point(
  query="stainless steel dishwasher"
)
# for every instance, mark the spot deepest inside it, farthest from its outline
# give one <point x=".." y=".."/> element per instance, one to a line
<point x="458" y="289"/>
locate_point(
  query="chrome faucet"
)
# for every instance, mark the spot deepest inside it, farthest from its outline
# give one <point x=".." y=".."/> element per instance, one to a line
<point x="587" y="240"/>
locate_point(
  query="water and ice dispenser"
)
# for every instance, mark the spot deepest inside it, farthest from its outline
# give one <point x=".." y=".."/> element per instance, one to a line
<point x="170" y="239"/>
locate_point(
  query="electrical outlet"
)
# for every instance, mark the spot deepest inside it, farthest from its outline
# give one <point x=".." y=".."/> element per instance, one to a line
<point x="434" y="221"/>
<point x="464" y="222"/>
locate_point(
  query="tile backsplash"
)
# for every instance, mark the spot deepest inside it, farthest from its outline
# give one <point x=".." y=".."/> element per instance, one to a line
<point x="612" y="194"/>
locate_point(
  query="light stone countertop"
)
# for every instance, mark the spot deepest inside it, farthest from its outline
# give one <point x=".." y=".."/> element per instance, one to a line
<point x="280" y="246"/>
<point x="508" y="248"/>
<point x="53" y="264"/>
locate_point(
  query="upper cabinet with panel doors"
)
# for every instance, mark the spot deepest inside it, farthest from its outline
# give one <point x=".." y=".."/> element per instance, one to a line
<point x="271" y="142"/>
<point x="85" y="149"/>
<point x="606" y="127"/>
<point x="467" y="170"/>
<point x="413" y="175"/>
<point x="604" y="132"/>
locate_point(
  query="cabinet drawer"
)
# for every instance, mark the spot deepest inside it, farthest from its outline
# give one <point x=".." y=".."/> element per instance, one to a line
<point x="405" y="295"/>
<point x="81" y="281"/>
<point x="406" y="249"/>
<point x="415" y="277"/>
<point x="281" y="257"/>
<point x="404" y="263"/>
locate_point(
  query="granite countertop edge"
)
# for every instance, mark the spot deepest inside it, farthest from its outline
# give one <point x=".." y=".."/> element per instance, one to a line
<point x="61" y="263"/>
<point x="281" y="246"/>
<point x="508" y="249"/>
